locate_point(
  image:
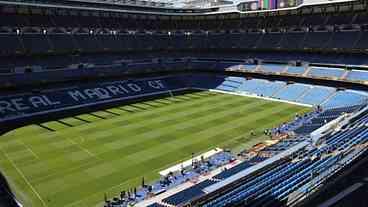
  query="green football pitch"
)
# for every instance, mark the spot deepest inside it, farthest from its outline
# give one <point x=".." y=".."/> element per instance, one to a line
<point x="76" y="160"/>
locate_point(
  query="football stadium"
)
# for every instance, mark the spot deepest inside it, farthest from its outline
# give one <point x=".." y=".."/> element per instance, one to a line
<point x="179" y="103"/>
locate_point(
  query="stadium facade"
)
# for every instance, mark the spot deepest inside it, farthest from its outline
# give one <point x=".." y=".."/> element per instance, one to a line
<point x="63" y="58"/>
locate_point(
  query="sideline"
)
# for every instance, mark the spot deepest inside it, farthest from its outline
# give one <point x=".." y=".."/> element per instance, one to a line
<point x="24" y="177"/>
<point x="256" y="96"/>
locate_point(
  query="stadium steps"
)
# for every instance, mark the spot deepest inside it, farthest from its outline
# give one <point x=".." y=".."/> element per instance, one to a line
<point x="357" y="40"/>
<point x="285" y="69"/>
<point x="328" y="98"/>
<point x="75" y="42"/>
<point x="303" y="41"/>
<point x="306" y="72"/>
<point x="279" y="44"/>
<point x="258" y="68"/>
<point x="259" y="41"/>
<point x="354" y="18"/>
<point x="21" y="42"/>
<point x="50" y="43"/>
<point x="304" y="94"/>
<point x="346" y="73"/>
<point x="327" y="43"/>
<point x="279" y="90"/>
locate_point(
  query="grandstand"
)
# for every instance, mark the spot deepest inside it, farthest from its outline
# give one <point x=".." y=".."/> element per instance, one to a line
<point x="181" y="103"/>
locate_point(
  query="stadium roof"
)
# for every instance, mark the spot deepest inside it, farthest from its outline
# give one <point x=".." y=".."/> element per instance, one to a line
<point x="175" y="7"/>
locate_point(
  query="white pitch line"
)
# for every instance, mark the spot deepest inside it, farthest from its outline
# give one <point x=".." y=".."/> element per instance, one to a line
<point x="82" y="148"/>
<point x="24" y="177"/>
<point x="29" y="149"/>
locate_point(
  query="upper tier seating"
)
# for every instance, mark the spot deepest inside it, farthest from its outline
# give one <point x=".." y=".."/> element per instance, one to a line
<point x="273" y="68"/>
<point x="270" y="40"/>
<point x="357" y="75"/>
<point x="317" y="40"/>
<point x="61" y="41"/>
<point x="249" y="67"/>
<point x="10" y="44"/>
<point x="343" y="39"/>
<point x="299" y="70"/>
<point x="293" y="40"/>
<point x="362" y="42"/>
<point x="326" y="72"/>
<point x="36" y="43"/>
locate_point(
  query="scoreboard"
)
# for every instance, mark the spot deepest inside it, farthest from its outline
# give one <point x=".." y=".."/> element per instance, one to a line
<point x="255" y="5"/>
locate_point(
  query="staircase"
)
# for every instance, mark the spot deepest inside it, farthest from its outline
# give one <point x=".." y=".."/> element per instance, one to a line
<point x="328" y="98"/>
<point x="345" y="74"/>
<point x="306" y="71"/>
<point x="278" y="91"/>
<point x="304" y="94"/>
<point x="358" y="40"/>
<point x="258" y="68"/>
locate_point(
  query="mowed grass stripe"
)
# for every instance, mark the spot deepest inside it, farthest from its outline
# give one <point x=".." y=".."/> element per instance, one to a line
<point x="132" y="144"/>
<point x="60" y="140"/>
<point x="142" y="114"/>
<point x="138" y="153"/>
<point x="42" y="165"/>
<point x="37" y="168"/>
<point x="177" y="146"/>
<point x="34" y="129"/>
<point x="95" y="132"/>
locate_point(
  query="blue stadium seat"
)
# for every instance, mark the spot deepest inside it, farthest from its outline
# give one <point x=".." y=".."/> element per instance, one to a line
<point x="326" y="72"/>
<point x="10" y="44"/>
<point x="36" y="43"/>
<point x="357" y="75"/>
<point x="62" y="42"/>
<point x="188" y="194"/>
<point x="316" y="95"/>
<point x="292" y="92"/>
<point x="232" y="171"/>
<point x="345" y="98"/>
<point x="318" y="39"/>
<point x="273" y="68"/>
<point x="299" y="70"/>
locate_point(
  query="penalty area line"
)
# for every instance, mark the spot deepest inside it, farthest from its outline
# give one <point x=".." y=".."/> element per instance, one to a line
<point x="83" y="149"/>
<point x="24" y="177"/>
<point x="29" y="149"/>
